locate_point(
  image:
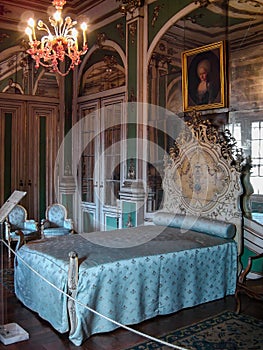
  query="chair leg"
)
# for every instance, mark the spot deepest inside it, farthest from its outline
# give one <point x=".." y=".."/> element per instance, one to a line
<point x="238" y="302"/>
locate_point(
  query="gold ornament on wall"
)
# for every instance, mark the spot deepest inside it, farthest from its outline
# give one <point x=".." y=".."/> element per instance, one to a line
<point x="156" y="13"/>
<point x="132" y="31"/>
<point x="203" y="3"/>
<point x="101" y="37"/>
<point x="119" y="26"/>
<point x="129" y="6"/>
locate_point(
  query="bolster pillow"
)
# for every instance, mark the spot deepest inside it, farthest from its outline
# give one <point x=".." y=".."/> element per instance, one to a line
<point x="189" y="222"/>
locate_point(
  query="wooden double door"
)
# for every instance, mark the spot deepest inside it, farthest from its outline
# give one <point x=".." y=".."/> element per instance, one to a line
<point x="29" y="141"/>
<point x="101" y="167"/>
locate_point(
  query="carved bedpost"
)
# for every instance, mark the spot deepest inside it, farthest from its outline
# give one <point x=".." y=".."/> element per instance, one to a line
<point x="72" y="289"/>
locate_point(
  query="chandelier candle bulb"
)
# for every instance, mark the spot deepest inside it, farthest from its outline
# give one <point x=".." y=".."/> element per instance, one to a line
<point x="31" y="24"/>
<point x="57" y="16"/>
<point x="75" y="37"/>
<point x="29" y="33"/>
<point x="51" y="49"/>
<point x="84" y="28"/>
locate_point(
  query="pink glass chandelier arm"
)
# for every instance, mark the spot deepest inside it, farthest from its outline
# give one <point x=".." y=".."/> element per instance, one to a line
<point x="35" y="55"/>
<point x="44" y="28"/>
<point x="45" y="42"/>
<point x="71" y="24"/>
<point x="67" y="30"/>
<point x="54" y="24"/>
<point x="71" y="39"/>
<point x="64" y="29"/>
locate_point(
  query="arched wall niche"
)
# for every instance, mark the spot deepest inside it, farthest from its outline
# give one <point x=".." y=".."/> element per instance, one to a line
<point x="103" y="68"/>
<point x="18" y="75"/>
<point x="46" y="84"/>
<point x="13" y="70"/>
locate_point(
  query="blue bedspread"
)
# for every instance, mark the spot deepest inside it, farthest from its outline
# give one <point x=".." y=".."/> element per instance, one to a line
<point x="124" y="282"/>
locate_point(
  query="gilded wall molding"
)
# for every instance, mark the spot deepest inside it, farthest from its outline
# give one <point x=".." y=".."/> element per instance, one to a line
<point x="101" y="38"/>
<point x="202" y="3"/>
<point x="120" y="29"/>
<point x="129" y="6"/>
<point x="132" y="31"/>
<point x="156" y="12"/>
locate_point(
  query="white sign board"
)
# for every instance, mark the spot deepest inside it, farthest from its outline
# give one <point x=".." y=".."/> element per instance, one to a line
<point x="15" y="197"/>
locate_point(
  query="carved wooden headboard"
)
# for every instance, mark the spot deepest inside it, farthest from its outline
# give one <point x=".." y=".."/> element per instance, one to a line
<point x="202" y="176"/>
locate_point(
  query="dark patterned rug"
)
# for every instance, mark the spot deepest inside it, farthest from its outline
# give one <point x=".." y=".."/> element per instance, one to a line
<point x="226" y="331"/>
<point x="7" y="279"/>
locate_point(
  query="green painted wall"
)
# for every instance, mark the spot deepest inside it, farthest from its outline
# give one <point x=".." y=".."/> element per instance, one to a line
<point x="112" y="33"/>
<point x="167" y="10"/>
<point x="11" y="38"/>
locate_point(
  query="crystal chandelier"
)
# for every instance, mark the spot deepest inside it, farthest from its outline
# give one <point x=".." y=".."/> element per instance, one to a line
<point x="57" y="43"/>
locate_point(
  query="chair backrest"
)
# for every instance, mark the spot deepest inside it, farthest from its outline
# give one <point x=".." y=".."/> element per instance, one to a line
<point x="17" y="217"/>
<point x="56" y="214"/>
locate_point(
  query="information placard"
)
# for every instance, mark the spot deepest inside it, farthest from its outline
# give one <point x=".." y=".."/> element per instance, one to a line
<point x="15" y="197"/>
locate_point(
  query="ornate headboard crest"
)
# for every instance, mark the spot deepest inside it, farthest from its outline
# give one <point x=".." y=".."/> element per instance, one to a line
<point x="203" y="131"/>
<point x="202" y="176"/>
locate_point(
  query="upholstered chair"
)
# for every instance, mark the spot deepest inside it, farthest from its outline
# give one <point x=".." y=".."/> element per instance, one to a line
<point x="17" y="221"/>
<point x="56" y="222"/>
<point x="253" y="288"/>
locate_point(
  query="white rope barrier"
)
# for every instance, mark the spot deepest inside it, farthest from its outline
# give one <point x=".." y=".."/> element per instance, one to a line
<point x="94" y="311"/>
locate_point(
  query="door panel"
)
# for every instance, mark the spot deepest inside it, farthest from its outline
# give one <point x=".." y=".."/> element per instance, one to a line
<point x="89" y="180"/>
<point x="44" y="137"/>
<point x="29" y="141"/>
<point x="12" y="155"/>
<point x="112" y="126"/>
<point x="101" y="170"/>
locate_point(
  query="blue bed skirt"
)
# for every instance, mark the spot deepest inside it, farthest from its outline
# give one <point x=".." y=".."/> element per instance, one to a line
<point x="128" y="284"/>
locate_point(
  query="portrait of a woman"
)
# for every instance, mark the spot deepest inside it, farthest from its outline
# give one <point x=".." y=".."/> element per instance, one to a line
<point x="205" y="92"/>
<point x="202" y="78"/>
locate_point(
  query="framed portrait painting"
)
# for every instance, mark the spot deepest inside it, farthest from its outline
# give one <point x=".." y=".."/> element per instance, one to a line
<point x="203" y="77"/>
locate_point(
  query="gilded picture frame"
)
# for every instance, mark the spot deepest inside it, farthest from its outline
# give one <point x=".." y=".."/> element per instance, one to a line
<point x="204" y="77"/>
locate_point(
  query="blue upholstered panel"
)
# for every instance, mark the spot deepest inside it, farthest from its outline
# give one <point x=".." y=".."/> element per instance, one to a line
<point x="17" y="217"/>
<point x="56" y="215"/>
<point x="56" y="222"/>
<point x="56" y="231"/>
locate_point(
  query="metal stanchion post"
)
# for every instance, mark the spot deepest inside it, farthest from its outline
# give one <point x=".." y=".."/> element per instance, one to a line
<point x="9" y="332"/>
<point x="3" y="306"/>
